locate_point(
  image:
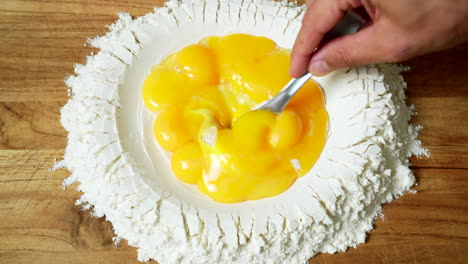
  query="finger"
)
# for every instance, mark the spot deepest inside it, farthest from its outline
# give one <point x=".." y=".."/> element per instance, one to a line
<point x="321" y="16"/>
<point x="370" y="45"/>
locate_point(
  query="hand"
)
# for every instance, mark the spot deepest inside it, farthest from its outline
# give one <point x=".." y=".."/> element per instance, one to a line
<point x="400" y="29"/>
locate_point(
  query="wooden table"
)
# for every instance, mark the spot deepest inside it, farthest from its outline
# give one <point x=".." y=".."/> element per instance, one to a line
<point x="40" y="40"/>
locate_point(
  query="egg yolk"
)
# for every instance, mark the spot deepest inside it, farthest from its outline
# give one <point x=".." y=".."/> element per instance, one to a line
<point x="202" y="96"/>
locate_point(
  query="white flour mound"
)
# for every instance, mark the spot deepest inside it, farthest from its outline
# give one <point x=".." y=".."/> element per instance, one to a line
<point x="125" y="177"/>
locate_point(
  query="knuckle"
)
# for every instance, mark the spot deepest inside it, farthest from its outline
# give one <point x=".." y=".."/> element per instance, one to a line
<point x="300" y="50"/>
<point x="345" y="57"/>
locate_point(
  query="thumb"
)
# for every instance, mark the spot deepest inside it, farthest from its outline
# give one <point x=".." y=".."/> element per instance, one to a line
<point x="364" y="47"/>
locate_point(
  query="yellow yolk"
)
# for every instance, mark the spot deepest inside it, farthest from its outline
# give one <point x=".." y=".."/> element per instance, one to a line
<point x="202" y="96"/>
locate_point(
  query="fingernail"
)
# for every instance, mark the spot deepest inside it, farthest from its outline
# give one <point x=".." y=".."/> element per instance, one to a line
<point x="319" y="68"/>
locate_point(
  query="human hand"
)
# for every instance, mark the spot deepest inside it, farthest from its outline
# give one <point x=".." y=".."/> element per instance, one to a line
<point x="400" y="29"/>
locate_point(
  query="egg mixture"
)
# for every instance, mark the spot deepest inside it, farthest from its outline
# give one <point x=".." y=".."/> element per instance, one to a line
<point x="202" y="96"/>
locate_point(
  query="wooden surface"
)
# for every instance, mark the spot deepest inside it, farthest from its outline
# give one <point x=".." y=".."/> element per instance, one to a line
<point x="40" y="40"/>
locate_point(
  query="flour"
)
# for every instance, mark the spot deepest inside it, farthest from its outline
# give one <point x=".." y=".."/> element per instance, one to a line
<point x="125" y="176"/>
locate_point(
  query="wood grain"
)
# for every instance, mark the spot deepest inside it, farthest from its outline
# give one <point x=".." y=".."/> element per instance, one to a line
<point x="38" y="124"/>
<point x="41" y="40"/>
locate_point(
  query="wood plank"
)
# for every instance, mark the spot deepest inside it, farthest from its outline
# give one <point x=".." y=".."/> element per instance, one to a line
<point x="453" y="156"/>
<point x="91" y="7"/>
<point x="445" y="131"/>
<point x="438" y="75"/>
<point x="41" y="52"/>
<point x="444" y="120"/>
<point x="111" y="256"/>
<point x="42" y="40"/>
<point x="31" y="125"/>
<point x="40" y="221"/>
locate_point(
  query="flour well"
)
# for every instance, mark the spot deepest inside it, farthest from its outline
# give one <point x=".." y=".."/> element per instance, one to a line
<point x="125" y="176"/>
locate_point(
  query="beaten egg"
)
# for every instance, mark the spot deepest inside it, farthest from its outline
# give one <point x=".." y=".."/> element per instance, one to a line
<point x="202" y="96"/>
